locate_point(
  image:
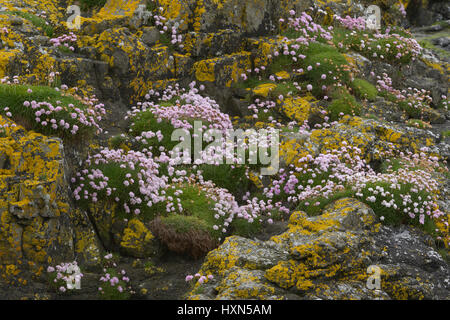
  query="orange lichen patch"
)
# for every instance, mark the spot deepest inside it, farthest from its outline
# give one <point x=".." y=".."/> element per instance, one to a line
<point x="204" y="70"/>
<point x="311" y="226"/>
<point x="443" y="227"/>
<point x="118" y="7"/>
<point x="264" y="89"/>
<point x="292" y="149"/>
<point x="284" y="75"/>
<point x="288" y="274"/>
<point x="265" y="48"/>
<point x="113" y="9"/>
<point x="219" y="261"/>
<point x="136" y="237"/>
<point x="31" y="198"/>
<point x="225" y="70"/>
<point x="243" y="284"/>
<point x="297" y="108"/>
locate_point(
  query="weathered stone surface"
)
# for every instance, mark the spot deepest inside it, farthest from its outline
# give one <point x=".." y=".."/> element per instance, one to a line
<point x="38" y="227"/>
<point x="137" y="240"/>
<point x="224" y="71"/>
<point x="371" y="136"/>
<point x="328" y="258"/>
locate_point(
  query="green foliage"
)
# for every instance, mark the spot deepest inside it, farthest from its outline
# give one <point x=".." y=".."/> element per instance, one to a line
<point x="416" y="123"/>
<point x="391" y="165"/>
<point x="446" y="133"/>
<point x="251" y="83"/>
<point x="343" y="102"/>
<point x="286" y="88"/>
<point x="281" y="63"/>
<point x="396" y="216"/>
<point x="35" y="20"/>
<point x="243" y="228"/>
<point x="65" y="50"/>
<point x="315" y="206"/>
<point x="325" y="60"/>
<point x="233" y="178"/>
<point x="146" y="121"/>
<point x="373" y="47"/>
<point x="292" y="34"/>
<point x="409" y="108"/>
<point x="165" y="40"/>
<point x="184" y="224"/>
<point x="151" y="5"/>
<point x="388" y="96"/>
<point x="196" y="203"/>
<point x="364" y="89"/>
<point x="111" y="292"/>
<point x="117" y="141"/>
<point x="14" y="97"/>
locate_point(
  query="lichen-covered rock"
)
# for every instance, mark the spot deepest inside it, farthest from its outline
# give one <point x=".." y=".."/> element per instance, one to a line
<point x="38" y="227"/>
<point x="328" y="257"/>
<point x="372" y="137"/>
<point x="131" y="237"/>
<point x="224" y="71"/>
<point x="137" y="240"/>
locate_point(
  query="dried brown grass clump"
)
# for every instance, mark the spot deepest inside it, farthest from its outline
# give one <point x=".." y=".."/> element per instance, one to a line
<point x="184" y="235"/>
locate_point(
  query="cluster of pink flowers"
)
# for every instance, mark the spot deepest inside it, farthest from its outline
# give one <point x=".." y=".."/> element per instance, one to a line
<point x="416" y="98"/>
<point x="227" y="208"/>
<point x="59" y="117"/>
<point x="402" y="9"/>
<point x="66" y="40"/>
<point x="402" y="45"/>
<point x="445" y="102"/>
<point x="334" y="171"/>
<point x="388" y="46"/>
<point x="384" y="83"/>
<point x="422" y="187"/>
<point x="7" y="80"/>
<point x="155" y="188"/>
<point x="189" y="105"/>
<point x="352" y="23"/>
<point x="318" y="176"/>
<point x="65" y="275"/>
<point x="67" y="118"/>
<point x="200" y="279"/>
<point x="160" y="21"/>
<point x="114" y="283"/>
<point x="309" y="30"/>
<point x="143" y="175"/>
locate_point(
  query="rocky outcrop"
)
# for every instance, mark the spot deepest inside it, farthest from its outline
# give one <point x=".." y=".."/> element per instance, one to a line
<point x="336" y="255"/>
<point x="121" y="54"/>
<point x="39" y="227"/>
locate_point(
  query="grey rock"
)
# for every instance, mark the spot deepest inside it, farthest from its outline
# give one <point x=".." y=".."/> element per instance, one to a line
<point x="150" y="35"/>
<point x="344" y="238"/>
